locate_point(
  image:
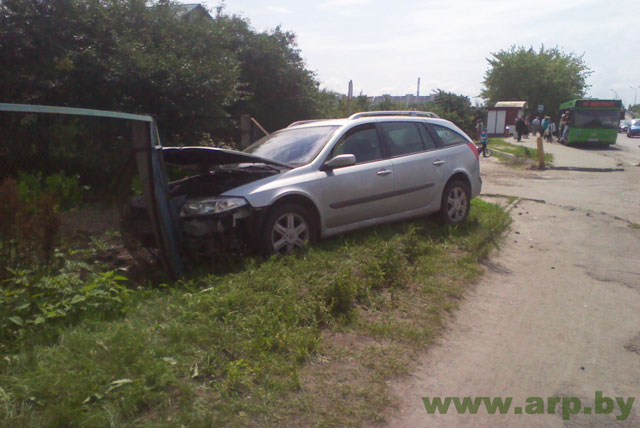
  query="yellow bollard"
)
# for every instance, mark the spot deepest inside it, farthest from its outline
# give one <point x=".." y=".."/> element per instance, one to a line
<point x="540" y="153"/>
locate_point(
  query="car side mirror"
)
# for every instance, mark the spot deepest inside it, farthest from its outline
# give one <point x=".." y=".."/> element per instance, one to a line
<point x="339" y="161"/>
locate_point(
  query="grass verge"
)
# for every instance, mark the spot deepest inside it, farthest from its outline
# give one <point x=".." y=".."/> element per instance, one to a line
<point x="305" y="340"/>
<point x="522" y="154"/>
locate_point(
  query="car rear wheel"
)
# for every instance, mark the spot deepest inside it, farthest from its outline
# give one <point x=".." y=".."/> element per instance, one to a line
<point x="287" y="227"/>
<point x="455" y="202"/>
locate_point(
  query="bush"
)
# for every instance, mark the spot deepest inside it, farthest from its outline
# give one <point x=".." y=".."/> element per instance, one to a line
<point x="32" y="301"/>
<point x="66" y="191"/>
<point x="27" y="229"/>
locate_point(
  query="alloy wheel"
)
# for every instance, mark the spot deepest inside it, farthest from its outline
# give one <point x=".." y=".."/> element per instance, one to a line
<point x="290" y="231"/>
<point x="456" y="204"/>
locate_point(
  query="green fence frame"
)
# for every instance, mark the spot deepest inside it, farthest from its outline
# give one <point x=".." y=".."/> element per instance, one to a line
<point x="153" y="177"/>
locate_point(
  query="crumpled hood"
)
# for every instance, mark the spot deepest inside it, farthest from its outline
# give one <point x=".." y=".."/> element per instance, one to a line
<point x="207" y="157"/>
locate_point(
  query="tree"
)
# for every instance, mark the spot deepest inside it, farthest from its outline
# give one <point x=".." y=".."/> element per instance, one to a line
<point x="276" y="88"/>
<point x="548" y="77"/>
<point x="141" y="57"/>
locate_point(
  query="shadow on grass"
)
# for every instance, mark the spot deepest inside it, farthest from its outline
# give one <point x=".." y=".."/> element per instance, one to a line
<point x="429" y="228"/>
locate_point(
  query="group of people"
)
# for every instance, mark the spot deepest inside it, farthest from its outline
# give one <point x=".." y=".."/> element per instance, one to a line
<point x="545" y="126"/>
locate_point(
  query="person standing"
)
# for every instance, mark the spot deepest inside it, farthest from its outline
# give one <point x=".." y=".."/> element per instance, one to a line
<point x="565" y="131"/>
<point x="521" y="127"/>
<point x="535" y="126"/>
<point x="479" y="128"/>
<point x="544" y="124"/>
<point x="550" y="130"/>
<point x="544" y="127"/>
<point x="563" y="123"/>
<point x="483" y="142"/>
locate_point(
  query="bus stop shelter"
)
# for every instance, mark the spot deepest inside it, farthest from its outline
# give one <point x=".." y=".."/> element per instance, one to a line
<point x="502" y="116"/>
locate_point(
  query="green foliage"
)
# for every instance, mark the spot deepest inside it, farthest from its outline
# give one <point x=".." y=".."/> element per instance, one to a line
<point x="27" y="228"/>
<point x="66" y="191"/>
<point x="193" y="75"/>
<point x="241" y="340"/>
<point x="34" y="303"/>
<point x="548" y="77"/>
<point x="447" y="105"/>
<point x="275" y="86"/>
<point x="457" y="109"/>
<point x="522" y="153"/>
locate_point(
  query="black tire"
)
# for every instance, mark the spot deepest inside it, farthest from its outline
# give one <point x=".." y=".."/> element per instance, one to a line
<point x="286" y="228"/>
<point x="488" y="152"/>
<point x="456" y="202"/>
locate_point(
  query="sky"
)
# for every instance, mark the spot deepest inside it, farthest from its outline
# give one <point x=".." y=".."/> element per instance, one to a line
<point x="385" y="46"/>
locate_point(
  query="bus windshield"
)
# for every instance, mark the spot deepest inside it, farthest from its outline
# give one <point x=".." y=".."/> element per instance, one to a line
<point x="596" y="119"/>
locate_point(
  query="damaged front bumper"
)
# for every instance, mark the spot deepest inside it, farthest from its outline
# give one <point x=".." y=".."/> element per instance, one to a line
<point x="209" y="234"/>
<point x="206" y="226"/>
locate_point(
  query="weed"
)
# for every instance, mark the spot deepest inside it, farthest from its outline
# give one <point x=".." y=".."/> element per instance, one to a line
<point x="29" y="227"/>
<point x="296" y="341"/>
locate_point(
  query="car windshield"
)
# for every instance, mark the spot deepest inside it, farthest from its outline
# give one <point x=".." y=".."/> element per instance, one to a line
<point x="294" y="146"/>
<point x="635" y="122"/>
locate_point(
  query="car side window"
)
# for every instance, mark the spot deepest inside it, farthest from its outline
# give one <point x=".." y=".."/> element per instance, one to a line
<point x="403" y="137"/>
<point x="449" y="137"/>
<point x="362" y="142"/>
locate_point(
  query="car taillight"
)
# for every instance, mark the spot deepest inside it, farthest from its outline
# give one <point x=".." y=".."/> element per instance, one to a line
<point x="474" y="149"/>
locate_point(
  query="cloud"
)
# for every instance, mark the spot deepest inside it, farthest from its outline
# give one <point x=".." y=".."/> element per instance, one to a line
<point x="280" y="10"/>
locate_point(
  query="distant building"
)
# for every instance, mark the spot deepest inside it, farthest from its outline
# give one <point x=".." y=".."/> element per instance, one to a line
<point x="407" y="99"/>
<point x="192" y="12"/>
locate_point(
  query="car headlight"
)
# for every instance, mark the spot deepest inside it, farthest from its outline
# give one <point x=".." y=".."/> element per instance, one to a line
<point x="208" y="206"/>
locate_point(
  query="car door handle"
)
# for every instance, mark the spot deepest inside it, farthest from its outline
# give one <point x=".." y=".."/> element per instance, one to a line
<point x="438" y="162"/>
<point x="384" y="172"/>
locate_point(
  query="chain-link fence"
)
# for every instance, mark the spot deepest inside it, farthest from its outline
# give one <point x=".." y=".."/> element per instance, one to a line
<point x="65" y="181"/>
<point x="67" y="178"/>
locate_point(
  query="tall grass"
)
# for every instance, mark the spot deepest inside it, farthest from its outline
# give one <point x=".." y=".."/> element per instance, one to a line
<point x="260" y="346"/>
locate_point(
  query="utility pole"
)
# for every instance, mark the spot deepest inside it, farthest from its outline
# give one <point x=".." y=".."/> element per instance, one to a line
<point x="418" y="93"/>
<point x="635" y="96"/>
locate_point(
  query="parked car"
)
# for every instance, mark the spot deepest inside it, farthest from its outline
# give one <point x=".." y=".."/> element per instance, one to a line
<point x="320" y="178"/>
<point x="623" y="126"/>
<point x="634" y="128"/>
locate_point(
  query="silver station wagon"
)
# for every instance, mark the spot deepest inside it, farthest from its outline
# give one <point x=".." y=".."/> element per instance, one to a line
<point x="320" y="178"/>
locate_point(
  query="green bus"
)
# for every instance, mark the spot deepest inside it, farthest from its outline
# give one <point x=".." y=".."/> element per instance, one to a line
<point x="593" y="121"/>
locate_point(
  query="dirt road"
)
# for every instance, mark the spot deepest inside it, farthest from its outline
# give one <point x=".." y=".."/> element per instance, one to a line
<point x="556" y="315"/>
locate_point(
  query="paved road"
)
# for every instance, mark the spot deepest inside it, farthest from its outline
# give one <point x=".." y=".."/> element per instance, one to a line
<point x="625" y="153"/>
<point x="558" y="312"/>
<point x="626" y="150"/>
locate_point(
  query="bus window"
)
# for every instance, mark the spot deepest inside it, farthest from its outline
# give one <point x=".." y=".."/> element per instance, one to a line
<point x="594" y="119"/>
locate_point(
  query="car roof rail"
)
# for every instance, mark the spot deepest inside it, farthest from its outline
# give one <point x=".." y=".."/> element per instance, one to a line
<point x="302" y="122"/>
<point x="412" y="113"/>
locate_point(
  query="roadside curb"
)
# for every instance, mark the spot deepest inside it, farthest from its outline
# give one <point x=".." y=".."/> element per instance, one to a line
<point x="585" y="169"/>
<point x="512" y="156"/>
<point x="558" y="168"/>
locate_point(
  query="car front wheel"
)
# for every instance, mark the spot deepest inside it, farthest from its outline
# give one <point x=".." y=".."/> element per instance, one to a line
<point x="287" y="228"/>
<point x="455" y="202"/>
